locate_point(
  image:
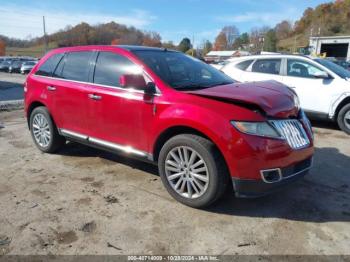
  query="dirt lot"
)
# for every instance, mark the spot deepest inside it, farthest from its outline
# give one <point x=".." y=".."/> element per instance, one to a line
<point x="85" y="201"/>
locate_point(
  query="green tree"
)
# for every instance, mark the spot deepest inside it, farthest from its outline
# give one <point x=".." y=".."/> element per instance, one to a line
<point x="270" y="41"/>
<point x="184" y="45"/>
<point x="241" y="41"/>
<point x="207" y="47"/>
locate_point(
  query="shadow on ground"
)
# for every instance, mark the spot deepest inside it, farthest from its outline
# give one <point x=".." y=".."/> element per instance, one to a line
<point x="322" y="196"/>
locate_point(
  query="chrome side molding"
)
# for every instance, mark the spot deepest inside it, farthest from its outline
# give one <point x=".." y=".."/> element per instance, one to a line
<point x="126" y="149"/>
<point x="105" y="144"/>
<point x="73" y="134"/>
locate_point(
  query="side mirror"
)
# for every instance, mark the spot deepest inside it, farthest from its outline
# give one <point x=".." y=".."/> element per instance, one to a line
<point x="133" y="81"/>
<point x="150" y="89"/>
<point x="321" y="74"/>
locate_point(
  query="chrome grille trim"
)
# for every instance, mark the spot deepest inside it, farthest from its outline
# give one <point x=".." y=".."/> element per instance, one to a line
<point x="293" y="132"/>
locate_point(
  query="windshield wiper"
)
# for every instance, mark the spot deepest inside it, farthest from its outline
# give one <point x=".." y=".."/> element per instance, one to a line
<point x="191" y="86"/>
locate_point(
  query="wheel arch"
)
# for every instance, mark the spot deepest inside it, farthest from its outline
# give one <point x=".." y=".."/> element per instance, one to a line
<point x="178" y="130"/>
<point x="344" y="102"/>
<point x="31" y="107"/>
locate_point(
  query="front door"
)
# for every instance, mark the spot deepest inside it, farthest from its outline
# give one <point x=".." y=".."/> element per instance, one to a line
<point x="315" y="94"/>
<point x="117" y="115"/>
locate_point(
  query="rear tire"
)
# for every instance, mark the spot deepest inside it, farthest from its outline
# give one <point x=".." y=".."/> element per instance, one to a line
<point x="196" y="181"/>
<point x="44" y="131"/>
<point x="344" y="119"/>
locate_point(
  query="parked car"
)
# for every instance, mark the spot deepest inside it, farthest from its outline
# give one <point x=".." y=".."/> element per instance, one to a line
<point x="4" y="66"/>
<point x="15" y="66"/>
<point x="203" y="129"/>
<point x="322" y="86"/>
<point x="343" y="64"/>
<point x="27" y="66"/>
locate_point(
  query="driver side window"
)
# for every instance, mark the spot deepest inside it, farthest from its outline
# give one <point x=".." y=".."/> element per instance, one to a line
<point x="299" y="68"/>
<point x="110" y="66"/>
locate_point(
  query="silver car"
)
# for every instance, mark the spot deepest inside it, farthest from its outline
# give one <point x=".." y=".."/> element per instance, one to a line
<point x="27" y="66"/>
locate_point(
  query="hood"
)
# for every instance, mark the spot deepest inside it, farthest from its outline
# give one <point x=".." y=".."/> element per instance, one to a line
<point x="274" y="98"/>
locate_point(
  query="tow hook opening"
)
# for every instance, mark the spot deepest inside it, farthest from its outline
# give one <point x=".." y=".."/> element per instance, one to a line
<point x="271" y="175"/>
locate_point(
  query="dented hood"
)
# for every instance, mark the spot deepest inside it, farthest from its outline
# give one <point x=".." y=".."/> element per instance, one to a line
<point x="274" y="98"/>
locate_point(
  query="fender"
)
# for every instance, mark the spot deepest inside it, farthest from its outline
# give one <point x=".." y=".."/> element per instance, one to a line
<point x="336" y="103"/>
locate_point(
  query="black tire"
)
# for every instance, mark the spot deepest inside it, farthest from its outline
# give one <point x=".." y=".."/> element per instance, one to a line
<point x="56" y="141"/>
<point x="218" y="173"/>
<point x="344" y="123"/>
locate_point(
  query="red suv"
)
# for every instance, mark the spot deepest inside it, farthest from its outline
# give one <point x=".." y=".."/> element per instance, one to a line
<point x="203" y="129"/>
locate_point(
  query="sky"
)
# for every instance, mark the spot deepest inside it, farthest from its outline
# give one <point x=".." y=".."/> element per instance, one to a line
<point x="173" y="19"/>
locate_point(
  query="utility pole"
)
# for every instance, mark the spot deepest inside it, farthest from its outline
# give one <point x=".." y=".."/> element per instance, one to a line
<point x="192" y="44"/>
<point x="45" y="36"/>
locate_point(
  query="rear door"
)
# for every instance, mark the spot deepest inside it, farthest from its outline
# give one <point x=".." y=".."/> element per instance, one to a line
<point x="70" y="92"/>
<point x="264" y="69"/>
<point x="121" y="116"/>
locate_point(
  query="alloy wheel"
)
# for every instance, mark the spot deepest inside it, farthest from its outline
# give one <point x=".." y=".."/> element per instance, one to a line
<point x="186" y="172"/>
<point x="347" y="119"/>
<point x="41" y="130"/>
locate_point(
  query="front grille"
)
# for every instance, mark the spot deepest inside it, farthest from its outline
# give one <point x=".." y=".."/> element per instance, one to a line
<point x="293" y="131"/>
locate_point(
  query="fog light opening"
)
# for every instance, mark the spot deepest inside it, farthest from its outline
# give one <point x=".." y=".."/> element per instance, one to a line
<point x="271" y="175"/>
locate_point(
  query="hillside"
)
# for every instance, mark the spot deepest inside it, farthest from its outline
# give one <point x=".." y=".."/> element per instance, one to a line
<point x="327" y="19"/>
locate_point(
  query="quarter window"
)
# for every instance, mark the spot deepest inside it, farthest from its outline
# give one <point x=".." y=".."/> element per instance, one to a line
<point x="110" y="66"/>
<point x="76" y="66"/>
<point x="267" y="66"/>
<point x="47" y="68"/>
<point x="300" y="68"/>
<point x="244" y="65"/>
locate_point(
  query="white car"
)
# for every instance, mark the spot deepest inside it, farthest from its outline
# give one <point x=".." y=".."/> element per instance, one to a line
<point x="322" y="86"/>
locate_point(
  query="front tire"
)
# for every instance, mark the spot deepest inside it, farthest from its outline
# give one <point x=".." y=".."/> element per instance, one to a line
<point x="44" y="131"/>
<point x="192" y="170"/>
<point x="344" y="119"/>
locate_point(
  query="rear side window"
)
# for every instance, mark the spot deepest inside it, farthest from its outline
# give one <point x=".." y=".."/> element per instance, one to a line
<point x="76" y="66"/>
<point x="267" y="66"/>
<point x="47" y="68"/>
<point x="109" y="68"/>
<point x="244" y="65"/>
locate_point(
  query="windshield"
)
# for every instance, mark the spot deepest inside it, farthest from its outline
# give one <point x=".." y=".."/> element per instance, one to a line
<point x="340" y="71"/>
<point x="183" y="72"/>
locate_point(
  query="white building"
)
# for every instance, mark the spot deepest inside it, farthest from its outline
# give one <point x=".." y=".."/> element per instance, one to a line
<point x="216" y="56"/>
<point x="332" y="46"/>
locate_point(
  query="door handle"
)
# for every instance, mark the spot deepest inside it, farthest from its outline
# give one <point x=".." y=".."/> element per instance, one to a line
<point x="51" y="88"/>
<point x="94" y="97"/>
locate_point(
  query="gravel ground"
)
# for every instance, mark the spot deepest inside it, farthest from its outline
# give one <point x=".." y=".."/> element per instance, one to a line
<point x="86" y="201"/>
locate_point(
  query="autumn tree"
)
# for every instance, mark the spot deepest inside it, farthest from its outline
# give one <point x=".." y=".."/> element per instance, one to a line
<point x="185" y="45"/>
<point x="169" y="45"/>
<point x="2" y="48"/>
<point x="220" y="42"/>
<point x="152" y="39"/>
<point x="283" y="29"/>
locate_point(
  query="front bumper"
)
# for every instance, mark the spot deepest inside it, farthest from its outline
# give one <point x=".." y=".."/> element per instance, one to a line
<point x="252" y="188"/>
